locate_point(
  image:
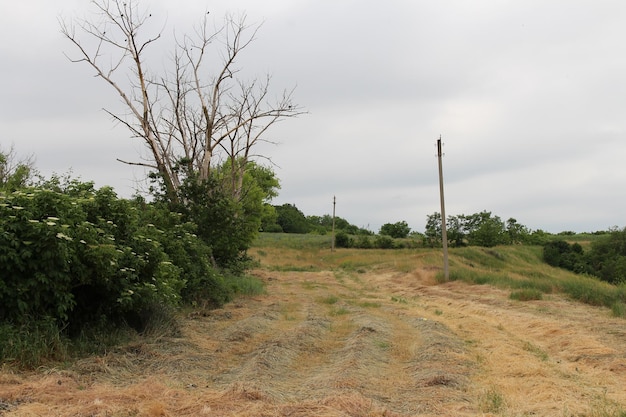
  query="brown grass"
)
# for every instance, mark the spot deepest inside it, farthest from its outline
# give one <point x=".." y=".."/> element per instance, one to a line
<point x="402" y="346"/>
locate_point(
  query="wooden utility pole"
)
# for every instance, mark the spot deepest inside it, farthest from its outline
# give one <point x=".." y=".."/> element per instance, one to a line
<point x="444" y="233"/>
<point x="332" y="245"/>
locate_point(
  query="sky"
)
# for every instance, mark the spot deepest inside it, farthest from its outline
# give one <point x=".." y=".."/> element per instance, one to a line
<point x="528" y="97"/>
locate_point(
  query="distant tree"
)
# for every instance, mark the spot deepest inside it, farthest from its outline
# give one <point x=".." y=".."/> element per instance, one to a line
<point x="15" y="173"/>
<point x="291" y="219"/>
<point x="517" y="233"/>
<point x="488" y="231"/>
<point x="478" y="229"/>
<point x="433" y="229"/>
<point x="455" y="231"/>
<point x="397" y="230"/>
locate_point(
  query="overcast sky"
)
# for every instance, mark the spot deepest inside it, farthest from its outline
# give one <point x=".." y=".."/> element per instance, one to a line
<point x="529" y="97"/>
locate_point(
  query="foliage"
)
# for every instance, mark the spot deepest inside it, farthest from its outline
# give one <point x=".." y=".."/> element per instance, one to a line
<point x="343" y="240"/>
<point x="15" y="173"/>
<point x="561" y="254"/>
<point x="227" y="217"/>
<point x="606" y="259"/>
<point x="395" y="230"/>
<point x="84" y="256"/>
<point x="324" y="224"/>
<point x="608" y="256"/>
<point x="479" y="229"/>
<point x="384" y="242"/>
<point x="291" y="219"/>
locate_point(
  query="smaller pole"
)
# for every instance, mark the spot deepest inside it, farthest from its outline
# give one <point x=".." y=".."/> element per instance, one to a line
<point x="444" y="233"/>
<point x="332" y="244"/>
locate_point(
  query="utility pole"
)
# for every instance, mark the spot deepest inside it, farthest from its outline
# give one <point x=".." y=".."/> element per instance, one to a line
<point x="332" y="245"/>
<point x="444" y="233"/>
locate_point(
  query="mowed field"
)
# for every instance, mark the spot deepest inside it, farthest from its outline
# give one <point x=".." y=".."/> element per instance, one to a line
<point x="352" y="333"/>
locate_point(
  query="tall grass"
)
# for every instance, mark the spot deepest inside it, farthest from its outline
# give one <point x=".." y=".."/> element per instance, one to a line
<point x="32" y="344"/>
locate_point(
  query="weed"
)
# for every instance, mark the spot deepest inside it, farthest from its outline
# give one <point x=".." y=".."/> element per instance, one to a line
<point x="32" y="344"/>
<point x="492" y="402"/>
<point x="368" y="304"/>
<point x="295" y="268"/>
<point x="309" y="285"/>
<point x="619" y="309"/>
<point x="535" y="350"/>
<point x="338" y="311"/>
<point x="331" y="299"/>
<point x="438" y="312"/>
<point x="383" y="344"/>
<point x="526" y="295"/>
<point x="399" y="300"/>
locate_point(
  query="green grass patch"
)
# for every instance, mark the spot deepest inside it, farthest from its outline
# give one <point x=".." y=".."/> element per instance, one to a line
<point x="590" y="290"/>
<point x="481" y="257"/>
<point x="331" y="299"/>
<point x="538" y="352"/>
<point x="492" y="402"/>
<point x="292" y="241"/>
<point x="619" y="309"/>
<point x="246" y="285"/>
<point x="294" y="268"/>
<point x="30" y="345"/>
<point x="526" y="295"/>
<point x="369" y="304"/>
<point x="338" y="311"/>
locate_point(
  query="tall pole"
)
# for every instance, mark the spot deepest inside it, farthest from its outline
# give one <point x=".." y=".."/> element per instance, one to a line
<point x="444" y="233"/>
<point x="332" y="245"/>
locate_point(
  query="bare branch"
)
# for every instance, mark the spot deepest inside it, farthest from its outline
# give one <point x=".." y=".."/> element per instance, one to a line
<point x="184" y="115"/>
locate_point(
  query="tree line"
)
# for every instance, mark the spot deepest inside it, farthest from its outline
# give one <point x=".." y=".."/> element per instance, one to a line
<point x="481" y="229"/>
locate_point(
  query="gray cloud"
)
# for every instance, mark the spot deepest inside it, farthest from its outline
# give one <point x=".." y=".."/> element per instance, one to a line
<point x="529" y="98"/>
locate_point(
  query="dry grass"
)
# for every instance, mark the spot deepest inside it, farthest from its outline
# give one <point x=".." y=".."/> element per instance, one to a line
<point x="402" y="346"/>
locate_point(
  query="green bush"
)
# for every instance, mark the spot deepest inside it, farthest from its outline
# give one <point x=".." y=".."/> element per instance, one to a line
<point x="384" y="242"/>
<point x="80" y="256"/>
<point x="343" y="240"/>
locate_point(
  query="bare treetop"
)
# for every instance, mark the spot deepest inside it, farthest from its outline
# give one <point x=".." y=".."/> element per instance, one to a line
<point x="195" y="109"/>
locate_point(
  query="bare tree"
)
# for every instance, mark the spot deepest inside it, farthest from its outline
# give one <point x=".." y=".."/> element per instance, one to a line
<point x="190" y="112"/>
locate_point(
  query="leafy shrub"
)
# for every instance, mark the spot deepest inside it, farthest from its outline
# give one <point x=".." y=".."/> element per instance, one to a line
<point x="384" y="242"/>
<point x="561" y="254"/>
<point x="363" y="242"/>
<point x="273" y="228"/>
<point x="80" y="256"/>
<point x="395" y="230"/>
<point x="343" y="240"/>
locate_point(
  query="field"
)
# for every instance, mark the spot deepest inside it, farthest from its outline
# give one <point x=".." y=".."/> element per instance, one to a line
<point x="363" y="333"/>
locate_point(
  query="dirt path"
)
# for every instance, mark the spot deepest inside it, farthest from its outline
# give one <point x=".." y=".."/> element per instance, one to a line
<point x="352" y="344"/>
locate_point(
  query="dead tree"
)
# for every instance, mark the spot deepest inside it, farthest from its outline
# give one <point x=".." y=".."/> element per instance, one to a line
<point x="188" y="113"/>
